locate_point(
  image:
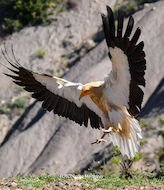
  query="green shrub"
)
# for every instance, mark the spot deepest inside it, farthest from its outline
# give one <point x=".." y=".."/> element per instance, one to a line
<point x="12" y="25"/>
<point x="161" y="161"/>
<point x="105" y="170"/>
<point x="161" y="155"/>
<point x="160" y="119"/>
<point x="40" y="53"/>
<point x="143" y="141"/>
<point x="131" y="6"/>
<point x="20" y="102"/>
<point x="146" y="125"/>
<point x="19" y="13"/>
<point x="162" y="169"/>
<point x="137" y="157"/>
<point x="31" y="182"/>
<point x="5" y="108"/>
<point x="14" y="108"/>
<point x="161" y="132"/>
<point x="116" y="160"/>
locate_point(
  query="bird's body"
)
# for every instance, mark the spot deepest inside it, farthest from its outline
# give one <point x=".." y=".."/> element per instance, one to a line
<point x="111" y="103"/>
<point x="115" y="119"/>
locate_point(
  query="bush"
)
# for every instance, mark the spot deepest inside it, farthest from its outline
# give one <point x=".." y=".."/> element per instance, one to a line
<point x="129" y="7"/>
<point x="20" y="13"/>
<point x="40" y="53"/>
<point x="20" y="102"/>
<point x="14" y="108"/>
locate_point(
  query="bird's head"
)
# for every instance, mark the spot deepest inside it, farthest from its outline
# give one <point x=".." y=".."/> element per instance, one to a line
<point x="85" y="91"/>
<point x="93" y="88"/>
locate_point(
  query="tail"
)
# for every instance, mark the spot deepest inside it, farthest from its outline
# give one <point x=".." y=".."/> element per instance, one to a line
<point x="128" y="137"/>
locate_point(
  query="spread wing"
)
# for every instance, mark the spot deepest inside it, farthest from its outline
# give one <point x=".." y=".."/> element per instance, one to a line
<point x="122" y="84"/>
<point x="58" y="95"/>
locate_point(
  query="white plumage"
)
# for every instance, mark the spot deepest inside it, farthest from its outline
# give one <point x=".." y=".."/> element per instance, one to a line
<point x="118" y="80"/>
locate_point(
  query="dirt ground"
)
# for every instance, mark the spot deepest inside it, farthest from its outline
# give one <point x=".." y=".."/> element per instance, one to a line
<point x="10" y="184"/>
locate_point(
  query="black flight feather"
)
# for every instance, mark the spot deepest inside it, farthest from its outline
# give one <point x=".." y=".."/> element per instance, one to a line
<point x="135" y="54"/>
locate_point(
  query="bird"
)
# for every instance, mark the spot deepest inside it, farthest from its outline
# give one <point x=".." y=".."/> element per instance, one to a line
<point x="110" y="105"/>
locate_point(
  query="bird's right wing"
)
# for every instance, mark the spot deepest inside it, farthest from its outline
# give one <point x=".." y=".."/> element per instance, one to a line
<point x="57" y="94"/>
<point x="123" y="83"/>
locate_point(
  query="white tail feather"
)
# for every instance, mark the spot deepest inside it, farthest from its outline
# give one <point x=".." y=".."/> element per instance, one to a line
<point x="128" y="146"/>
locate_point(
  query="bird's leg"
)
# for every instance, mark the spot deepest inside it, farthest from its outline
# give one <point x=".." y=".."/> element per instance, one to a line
<point x="109" y="128"/>
<point x="100" y="140"/>
<point x="105" y="131"/>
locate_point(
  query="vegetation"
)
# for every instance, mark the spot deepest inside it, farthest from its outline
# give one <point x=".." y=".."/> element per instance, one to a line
<point x="40" y="53"/>
<point x="145" y="125"/>
<point x="131" y="6"/>
<point x="31" y="182"/>
<point x="16" y="107"/>
<point x="113" y="182"/>
<point x="3" y="123"/>
<point x="18" y="90"/>
<point x="160" y="154"/>
<point x="143" y="141"/>
<point x="116" y="160"/>
<point x="50" y="71"/>
<point x="161" y="132"/>
<point x="160" y="119"/>
<point x="15" y="14"/>
<point x="99" y="181"/>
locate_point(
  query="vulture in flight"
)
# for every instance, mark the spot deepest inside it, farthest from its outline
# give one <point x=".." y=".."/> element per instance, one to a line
<point x="111" y="104"/>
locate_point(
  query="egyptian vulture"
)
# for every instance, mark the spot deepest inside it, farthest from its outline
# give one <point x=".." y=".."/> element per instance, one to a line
<point x="111" y="104"/>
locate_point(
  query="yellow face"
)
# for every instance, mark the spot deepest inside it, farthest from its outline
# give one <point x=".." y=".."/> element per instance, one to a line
<point x="85" y="91"/>
<point x="89" y="88"/>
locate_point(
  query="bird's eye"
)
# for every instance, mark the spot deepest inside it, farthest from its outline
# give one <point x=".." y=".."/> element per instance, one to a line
<point x="86" y="91"/>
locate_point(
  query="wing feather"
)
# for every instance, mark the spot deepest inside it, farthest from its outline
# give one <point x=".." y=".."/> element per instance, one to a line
<point x="128" y="63"/>
<point x="120" y="23"/>
<point x="111" y="22"/>
<point x="129" y="27"/>
<point x="57" y="94"/>
<point x="136" y="36"/>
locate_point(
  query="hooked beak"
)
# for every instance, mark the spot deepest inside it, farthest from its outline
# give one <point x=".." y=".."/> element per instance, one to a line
<point x="81" y="95"/>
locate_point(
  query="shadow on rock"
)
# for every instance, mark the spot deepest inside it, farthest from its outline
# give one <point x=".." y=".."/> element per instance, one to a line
<point x="18" y="125"/>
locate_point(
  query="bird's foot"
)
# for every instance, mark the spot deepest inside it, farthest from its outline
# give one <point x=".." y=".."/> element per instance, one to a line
<point x="106" y="131"/>
<point x="99" y="141"/>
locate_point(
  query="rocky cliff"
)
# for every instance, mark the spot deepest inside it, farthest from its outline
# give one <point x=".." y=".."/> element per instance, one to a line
<point x="38" y="141"/>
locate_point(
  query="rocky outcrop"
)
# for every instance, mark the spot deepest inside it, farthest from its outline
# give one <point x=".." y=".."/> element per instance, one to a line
<point x="41" y="142"/>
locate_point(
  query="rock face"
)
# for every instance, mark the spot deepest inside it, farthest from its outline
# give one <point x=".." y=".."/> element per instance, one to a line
<point x="42" y="140"/>
<point x="155" y="104"/>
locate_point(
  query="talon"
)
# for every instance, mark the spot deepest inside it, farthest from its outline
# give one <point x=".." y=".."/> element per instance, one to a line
<point x="99" y="141"/>
<point x="107" y="130"/>
<point x="96" y="142"/>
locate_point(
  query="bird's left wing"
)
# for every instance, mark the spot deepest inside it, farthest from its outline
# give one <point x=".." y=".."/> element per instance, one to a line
<point x="122" y="84"/>
<point x="57" y="94"/>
